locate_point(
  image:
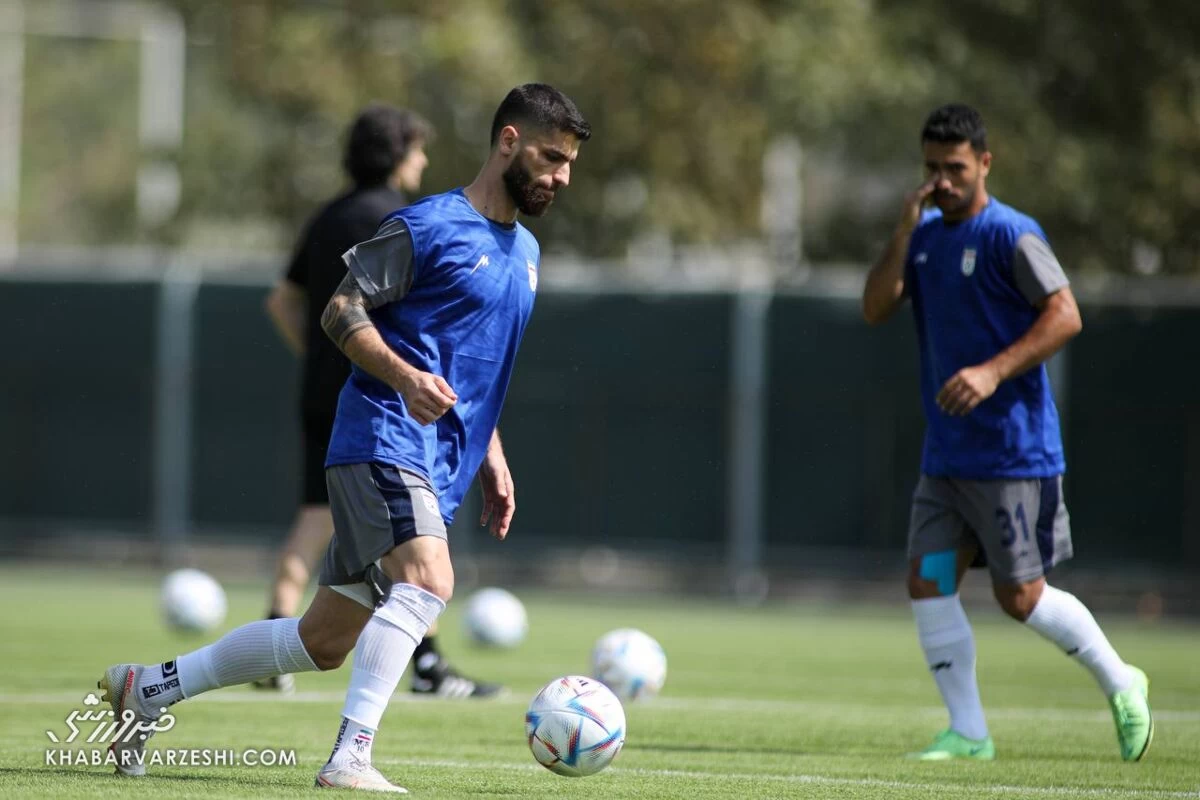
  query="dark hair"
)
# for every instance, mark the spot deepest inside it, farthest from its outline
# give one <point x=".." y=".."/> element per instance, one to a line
<point x="543" y="106"/>
<point x="379" y="140"/>
<point x="956" y="122"/>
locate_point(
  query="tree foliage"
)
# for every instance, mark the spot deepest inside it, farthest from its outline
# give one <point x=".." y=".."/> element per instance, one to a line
<point x="1093" y="110"/>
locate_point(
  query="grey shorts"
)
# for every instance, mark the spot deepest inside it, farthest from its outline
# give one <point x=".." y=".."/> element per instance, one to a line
<point x="1021" y="526"/>
<point x="375" y="508"/>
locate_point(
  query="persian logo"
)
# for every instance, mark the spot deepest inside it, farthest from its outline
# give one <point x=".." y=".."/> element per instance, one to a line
<point x="109" y="727"/>
<point x="968" y="261"/>
<point x="529" y="265"/>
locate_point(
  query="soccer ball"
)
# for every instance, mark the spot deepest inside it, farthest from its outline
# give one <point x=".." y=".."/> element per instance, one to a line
<point x="630" y="663"/>
<point x="192" y="601"/>
<point x="495" y="618"/>
<point x="575" y="726"/>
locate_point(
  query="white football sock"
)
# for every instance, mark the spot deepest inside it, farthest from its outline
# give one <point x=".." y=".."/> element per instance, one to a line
<point x="353" y="740"/>
<point x="383" y="651"/>
<point x="159" y="687"/>
<point x="1061" y="618"/>
<point x="945" y="636"/>
<point x="252" y="652"/>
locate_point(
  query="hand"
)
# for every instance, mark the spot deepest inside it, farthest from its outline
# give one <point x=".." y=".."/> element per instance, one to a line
<point x="969" y="387"/>
<point x="914" y="204"/>
<point x="427" y="396"/>
<point x="499" y="496"/>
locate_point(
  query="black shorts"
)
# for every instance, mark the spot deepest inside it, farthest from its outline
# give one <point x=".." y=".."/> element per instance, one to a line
<point x="317" y="430"/>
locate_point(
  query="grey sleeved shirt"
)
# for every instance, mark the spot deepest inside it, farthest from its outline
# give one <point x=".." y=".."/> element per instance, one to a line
<point x="383" y="265"/>
<point x="1036" y="269"/>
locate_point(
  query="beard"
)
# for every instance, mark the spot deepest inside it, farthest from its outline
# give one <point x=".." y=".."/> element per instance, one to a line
<point x="951" y="204"/>
<point x="529" y="198"/>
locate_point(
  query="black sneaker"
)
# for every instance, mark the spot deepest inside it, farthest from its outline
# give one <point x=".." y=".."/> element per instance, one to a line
<point x="284" y="684"/>
<point x="443" y="680"/>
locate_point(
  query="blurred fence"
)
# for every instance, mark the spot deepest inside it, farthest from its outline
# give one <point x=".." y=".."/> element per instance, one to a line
<point x="166" y="408"/>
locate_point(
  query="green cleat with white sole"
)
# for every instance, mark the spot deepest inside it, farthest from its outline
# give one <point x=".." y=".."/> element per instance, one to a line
<point x="1131" y="713"/>
<point x="949" y="745"/>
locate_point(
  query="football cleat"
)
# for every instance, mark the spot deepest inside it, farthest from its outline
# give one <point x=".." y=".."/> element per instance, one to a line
<point x="949" y="745"/>
<point x="443" y="680"/>
<point x="354" y="773"/>
<point x="119" y="688"/>
<point x="1131" y="713"/>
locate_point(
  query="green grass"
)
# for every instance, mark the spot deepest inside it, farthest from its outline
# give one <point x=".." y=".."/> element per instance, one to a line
<point x="806" y="701"/>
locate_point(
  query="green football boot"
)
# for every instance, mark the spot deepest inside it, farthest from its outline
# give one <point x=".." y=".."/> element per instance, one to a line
<point x="1131" y="713"/>
<point x="948" y="744"/>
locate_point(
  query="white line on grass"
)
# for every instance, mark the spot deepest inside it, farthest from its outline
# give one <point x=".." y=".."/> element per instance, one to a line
<point x="727" y="704"/>
<point x="966" y="789"/>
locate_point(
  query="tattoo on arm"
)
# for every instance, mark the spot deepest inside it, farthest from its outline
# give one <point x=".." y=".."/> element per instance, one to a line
<point x="346" y="313"/>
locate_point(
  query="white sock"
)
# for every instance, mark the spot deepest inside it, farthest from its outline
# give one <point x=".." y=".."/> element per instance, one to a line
<point x="383" y="651"/>
<point x="159" y="687"/>
<point x="1061" y="618"/>
<point x="353" y="739"/>
<point x="252" y="652"/>
<point x="945" y="636"/>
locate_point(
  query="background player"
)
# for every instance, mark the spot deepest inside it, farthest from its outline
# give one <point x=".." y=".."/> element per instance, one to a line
<point x="431" y="314"/>
<point x="991" y="305"/>
<point x="384" y="158"/>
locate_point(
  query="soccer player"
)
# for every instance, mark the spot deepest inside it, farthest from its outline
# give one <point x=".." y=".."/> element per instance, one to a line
<point x="431" y="314"/>
<point x="384" y="157"/>
<point x="991" y="304"/>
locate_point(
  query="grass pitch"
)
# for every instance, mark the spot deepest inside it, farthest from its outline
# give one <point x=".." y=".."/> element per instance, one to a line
<point x="800" y="702"/>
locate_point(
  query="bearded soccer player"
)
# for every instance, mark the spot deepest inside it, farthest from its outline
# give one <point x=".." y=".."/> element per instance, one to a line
<point x="431" y="314"/>
<point x="991" y="305"/>
<point x="385" y="158"/>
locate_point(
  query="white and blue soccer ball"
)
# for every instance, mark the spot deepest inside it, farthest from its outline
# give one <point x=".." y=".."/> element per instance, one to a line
<point x="575" y="726"/>
<point x="629" y="662"/>
<point x="192" y="601"/>
<point x="495" y="618"/>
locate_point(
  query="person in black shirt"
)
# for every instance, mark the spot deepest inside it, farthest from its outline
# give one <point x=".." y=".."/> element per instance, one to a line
<point x="384" y="157"/>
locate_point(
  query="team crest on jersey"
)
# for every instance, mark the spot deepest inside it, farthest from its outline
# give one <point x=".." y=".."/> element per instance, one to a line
<point x="529" y="265"/>
<point x="968" y="262"/>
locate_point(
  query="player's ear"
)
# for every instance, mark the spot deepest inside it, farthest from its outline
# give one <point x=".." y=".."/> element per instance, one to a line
<point x="985" y="163"/>
<point x="508" y="140"/>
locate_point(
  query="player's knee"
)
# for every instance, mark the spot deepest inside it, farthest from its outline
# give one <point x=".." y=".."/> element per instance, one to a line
<point x="428" y="568"/>
<point x="441" y="586"/>
<point x="920" y="589"/>
<point x="933" y="575"/>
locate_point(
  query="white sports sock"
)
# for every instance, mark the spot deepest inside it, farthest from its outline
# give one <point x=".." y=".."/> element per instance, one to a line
<point x="383" y="651"/>
<point x="252" y="652"/>
<point x="353" y="740"/>
<point x="945" y="636"/>
<point x="159" y="687"/>
<point x="1061" y="618"/>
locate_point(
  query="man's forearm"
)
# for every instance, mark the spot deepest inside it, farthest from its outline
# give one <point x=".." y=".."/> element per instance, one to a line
<point x="346" y="321"/>
<point x="885" y="281"/>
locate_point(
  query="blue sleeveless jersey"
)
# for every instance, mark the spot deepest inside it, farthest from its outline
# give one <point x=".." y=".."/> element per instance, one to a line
<point x="968" y="308"/>
<point x="472" y="292"/>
